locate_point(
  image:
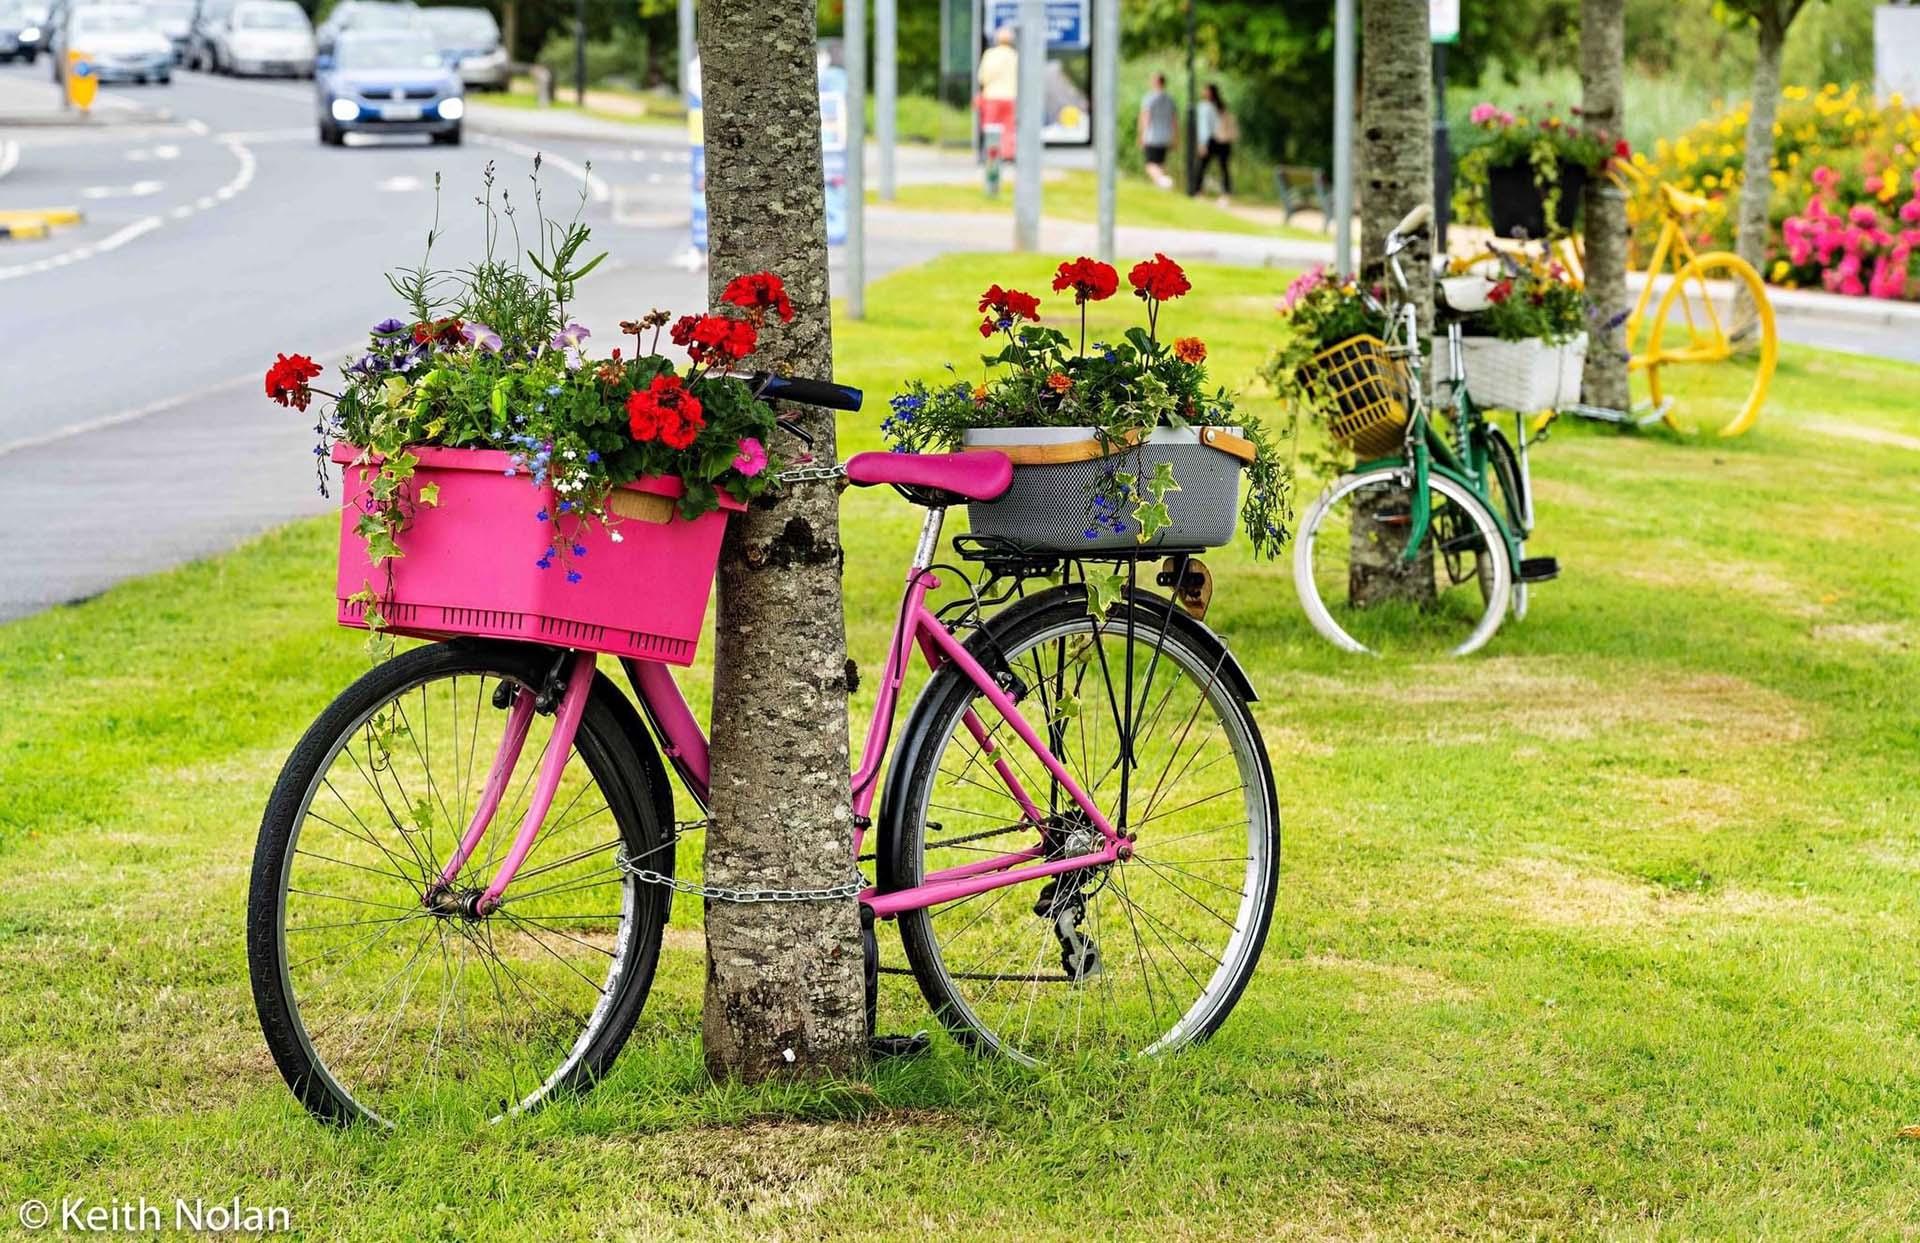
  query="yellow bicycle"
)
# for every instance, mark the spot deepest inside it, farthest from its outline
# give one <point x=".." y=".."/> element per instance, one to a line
<point x="1700" y="319"/>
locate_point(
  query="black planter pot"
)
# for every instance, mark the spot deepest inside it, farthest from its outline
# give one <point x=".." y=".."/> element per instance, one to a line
<point x="1516" y="204"/>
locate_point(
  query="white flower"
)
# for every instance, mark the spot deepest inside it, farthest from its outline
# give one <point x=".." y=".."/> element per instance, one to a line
<point x="616" y="537"/>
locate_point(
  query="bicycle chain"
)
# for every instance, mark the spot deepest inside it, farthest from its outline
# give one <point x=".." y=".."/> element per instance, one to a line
<point x="725" y="893"/>
<point x="813" y="474"/>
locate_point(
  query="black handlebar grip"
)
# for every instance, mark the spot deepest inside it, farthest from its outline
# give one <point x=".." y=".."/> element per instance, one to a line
<point x="809" y="392"/>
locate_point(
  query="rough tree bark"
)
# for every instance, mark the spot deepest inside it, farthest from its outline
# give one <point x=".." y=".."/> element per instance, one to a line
<point x="785" y="982"/>
<point x="1771" y="19"/>
<point x="1396" y="175"/>
<point x="1602" y="103"/>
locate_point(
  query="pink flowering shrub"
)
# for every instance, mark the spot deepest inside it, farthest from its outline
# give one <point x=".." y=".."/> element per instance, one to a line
<point x="1864" y="249"/>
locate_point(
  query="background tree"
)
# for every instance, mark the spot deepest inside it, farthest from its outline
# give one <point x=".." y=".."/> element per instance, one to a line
<point x="1770" y="20"/>
<point x="1395" y="171"/>
<point x="1603" y="103"/>
<point x="781" y="976"/>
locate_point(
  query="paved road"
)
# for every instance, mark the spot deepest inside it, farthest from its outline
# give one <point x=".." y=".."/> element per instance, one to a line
<point x="133" y="433"/>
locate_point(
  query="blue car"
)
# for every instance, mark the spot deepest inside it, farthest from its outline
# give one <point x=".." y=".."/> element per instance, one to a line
<point x="387" y="82"/>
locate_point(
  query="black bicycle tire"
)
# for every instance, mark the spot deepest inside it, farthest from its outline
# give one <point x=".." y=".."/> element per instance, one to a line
<point x="603" y="744"/>
<point x="947" y="693"/>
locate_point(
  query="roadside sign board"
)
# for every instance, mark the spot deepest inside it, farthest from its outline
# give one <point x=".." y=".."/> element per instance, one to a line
<point x="82" y="82"/>
<point x="833" y="151"/>
<point x="1443" y="20"/>
<point x="1068" y="22"/>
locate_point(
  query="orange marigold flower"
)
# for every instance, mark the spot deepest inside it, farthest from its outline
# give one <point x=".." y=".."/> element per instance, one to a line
<point x="980" y="394"/>
<point x="1059" y="382"/>
<point x="1190" y="350"/>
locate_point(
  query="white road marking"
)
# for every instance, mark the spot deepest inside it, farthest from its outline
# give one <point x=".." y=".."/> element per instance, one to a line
<point x="302" y="134"/>
<point x="198" y="127"/>
<point x="123" y="417"/>
<point x="400" y="185"/>
<point x="241" y="179"/>
<point x="597" y="189"/>
<point x="138" y="190"/>
<point x="111" y="242"/>
<point x="9" y="157"/>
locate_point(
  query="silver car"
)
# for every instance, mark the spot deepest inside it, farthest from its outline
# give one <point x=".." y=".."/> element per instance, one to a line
<point x="265" y="38"/>
<point x="121" y="43"/>
<point x="23" y="29"/>
<point x="470" y="40"/>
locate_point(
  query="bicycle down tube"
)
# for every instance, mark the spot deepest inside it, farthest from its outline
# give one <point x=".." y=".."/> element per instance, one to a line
<point x="686" y="746"/>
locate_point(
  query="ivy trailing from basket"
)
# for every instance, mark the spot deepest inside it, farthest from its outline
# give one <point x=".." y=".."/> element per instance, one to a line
<point x="487" y="357"/>
<point x="1039" y="377"/>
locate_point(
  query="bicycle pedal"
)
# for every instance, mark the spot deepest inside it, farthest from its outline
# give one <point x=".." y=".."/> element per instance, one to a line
<point x="899" y="1046"/>
<point x="1539" y="569"/>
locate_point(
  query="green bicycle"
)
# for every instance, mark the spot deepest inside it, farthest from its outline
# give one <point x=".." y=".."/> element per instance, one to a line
<point x="1421" y="547"/>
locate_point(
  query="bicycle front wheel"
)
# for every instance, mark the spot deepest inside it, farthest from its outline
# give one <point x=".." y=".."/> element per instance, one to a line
<point x="1141" y="956"/>
<point x="383" y="1002"/>
<point x="1715" y="314"/>
<point x="1363" y="592"/>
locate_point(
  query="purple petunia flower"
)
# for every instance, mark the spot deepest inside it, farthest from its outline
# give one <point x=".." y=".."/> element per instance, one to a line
<point x="572" y="337"/>
<point x="481" y="335"/>
<point x="389" y="328"/>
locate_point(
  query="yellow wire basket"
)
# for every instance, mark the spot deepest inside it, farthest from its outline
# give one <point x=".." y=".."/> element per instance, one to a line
<point x="1363" y="390"/>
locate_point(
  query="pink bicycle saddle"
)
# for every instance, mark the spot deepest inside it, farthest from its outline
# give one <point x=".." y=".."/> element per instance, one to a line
<point x="977" y="476"/>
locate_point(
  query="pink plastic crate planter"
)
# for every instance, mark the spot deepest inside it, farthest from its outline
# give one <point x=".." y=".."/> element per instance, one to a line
<point x="470" y="569"/>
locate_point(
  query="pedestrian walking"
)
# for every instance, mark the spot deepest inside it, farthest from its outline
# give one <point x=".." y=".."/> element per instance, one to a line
<point x="1215" y="132"/>
<point x="1157" y="128"/>
<point x="999" y="82"/>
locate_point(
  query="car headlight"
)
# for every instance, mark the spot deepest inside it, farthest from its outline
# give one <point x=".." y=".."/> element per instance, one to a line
<point x="345" y="110"/>
<point x="452" y="109"/>
<point x="29" y="34"/>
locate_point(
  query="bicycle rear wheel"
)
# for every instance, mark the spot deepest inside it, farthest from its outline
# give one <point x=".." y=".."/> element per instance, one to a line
<point x="1702" y="321"/>
<point x="1141" y="956"/>
<point x="383" y="1004"/>
<point x="1363" y="594"/>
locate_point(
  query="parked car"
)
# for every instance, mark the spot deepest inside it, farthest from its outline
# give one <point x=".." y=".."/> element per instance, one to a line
<point x="470" y="40"/>
<point x="387" y="82"/>
<point x="263" y="38"/>
<point x="209" y="16"/>
<point x="175" y="20"/>
<point x="23" y="29"/>
<point x="121" y="41"/>
<point x="366" y="15"/>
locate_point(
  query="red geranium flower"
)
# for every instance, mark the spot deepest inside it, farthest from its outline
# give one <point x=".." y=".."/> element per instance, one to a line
<point x="287" y="380"/>
<point x="1006" y="307"/>
<point x="759" y="292"/>
<point x="666" y="411"/>
<point x="1159" y="279"/>
<point x="440" y="331"/>
<point x="1090" y="280"/>
<point x="714" y="338"/>
<point x="1501" y="292"/>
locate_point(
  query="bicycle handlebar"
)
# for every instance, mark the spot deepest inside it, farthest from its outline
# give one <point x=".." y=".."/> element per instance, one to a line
<point x="807" y="392"/>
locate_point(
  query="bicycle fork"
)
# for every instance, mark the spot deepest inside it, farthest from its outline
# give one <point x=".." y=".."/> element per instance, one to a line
<point x="571" y="707"/>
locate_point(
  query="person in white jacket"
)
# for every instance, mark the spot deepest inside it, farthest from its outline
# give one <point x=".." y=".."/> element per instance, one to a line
<point x="1215" y="132"/>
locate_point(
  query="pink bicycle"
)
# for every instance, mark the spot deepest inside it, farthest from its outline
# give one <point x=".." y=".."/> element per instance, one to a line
<point x="463" y="876"/>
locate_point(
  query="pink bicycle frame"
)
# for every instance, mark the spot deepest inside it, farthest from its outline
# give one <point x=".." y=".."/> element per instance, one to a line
<point x="686" y="745"/>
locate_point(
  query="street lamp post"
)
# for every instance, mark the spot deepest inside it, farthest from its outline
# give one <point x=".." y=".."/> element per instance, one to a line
<point x="1343" y="56"/>
<point x="1193" y="101"/>
<point x="885" y="88"/>
<point x="856" y="55"/>
<point x="1106" y="118"/>
<point x="1029" y="107"/>
<point x="580" y="53"/>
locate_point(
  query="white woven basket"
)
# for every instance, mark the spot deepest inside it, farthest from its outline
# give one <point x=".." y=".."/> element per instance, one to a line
<point x="1523" y="375"/>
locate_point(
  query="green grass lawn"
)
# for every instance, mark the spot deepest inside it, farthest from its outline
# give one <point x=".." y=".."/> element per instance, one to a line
<point x="1602" y="933"/>
<point x="1071" y="196"/>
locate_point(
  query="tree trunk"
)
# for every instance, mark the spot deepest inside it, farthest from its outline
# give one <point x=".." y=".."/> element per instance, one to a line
<point x="785" y="980"/>
<point x="1396" y="175"/>
<point x="1756" y="186"/>
<point x="1602" y="103"/>
<point x="510" y="28"/>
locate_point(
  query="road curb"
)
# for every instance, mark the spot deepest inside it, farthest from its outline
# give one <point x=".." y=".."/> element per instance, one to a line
<point x="105" y="119"/>
<point x="36" y="222"/>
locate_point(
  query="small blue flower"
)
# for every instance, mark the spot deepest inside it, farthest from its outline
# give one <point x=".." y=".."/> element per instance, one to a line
<point x="541" y="516"/>
<point x="593" y="455"/>
<point x="573" y="576"/>
<point x="544" y="564"/>
<point x="509" y="472"/>
<point x="1090" y="533"/>
<point x="566" y="507"/>
<point x="579" y="550"/>
<point x="553" y="390"/>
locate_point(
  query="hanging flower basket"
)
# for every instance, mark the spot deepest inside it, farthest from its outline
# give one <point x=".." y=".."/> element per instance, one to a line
<point x="1523" y="375"/>
<point x="1517" y="204"/>
<point x="1362" y="391"/>
<point x="470" y="562"/>
<point x="1055" y="470"/>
